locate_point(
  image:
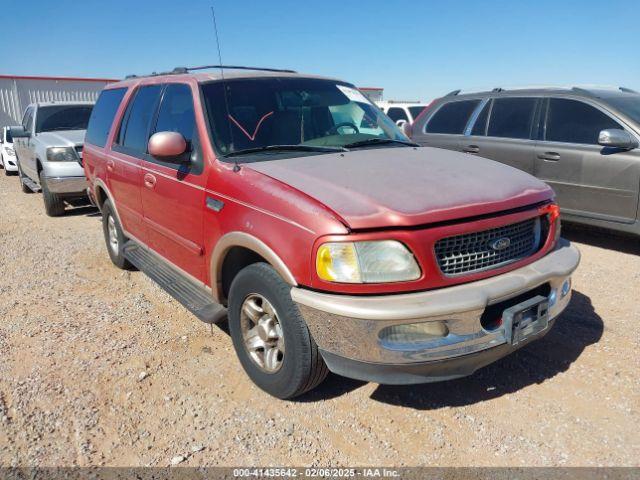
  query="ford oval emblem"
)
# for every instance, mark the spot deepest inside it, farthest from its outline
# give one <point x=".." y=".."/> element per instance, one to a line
<point x="501" y="243"/>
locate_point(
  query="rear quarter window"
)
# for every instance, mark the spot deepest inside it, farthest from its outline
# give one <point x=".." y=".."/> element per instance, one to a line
<point x="452" y="117"/>
<point x="102" y="116"/>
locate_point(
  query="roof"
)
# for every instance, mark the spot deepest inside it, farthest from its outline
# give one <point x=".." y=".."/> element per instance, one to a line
<point x="66" y="102"/>
<point x="599" y="92"/>
<point x="218" y="74"/>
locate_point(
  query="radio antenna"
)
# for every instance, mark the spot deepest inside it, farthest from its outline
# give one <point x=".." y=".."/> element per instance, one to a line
<point x="236" y="167"/>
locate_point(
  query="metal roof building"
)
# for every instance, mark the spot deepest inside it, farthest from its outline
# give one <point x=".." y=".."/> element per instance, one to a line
<point x="18" y="91"/>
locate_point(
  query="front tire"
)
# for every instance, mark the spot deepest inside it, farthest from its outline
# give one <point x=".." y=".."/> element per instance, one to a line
<point x="270" y="336"/>
<point x="114" y="237"/>
<point x="53" y="203"/>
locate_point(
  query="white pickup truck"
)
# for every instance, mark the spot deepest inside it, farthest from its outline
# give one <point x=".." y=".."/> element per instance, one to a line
<point x="48" y="146"/>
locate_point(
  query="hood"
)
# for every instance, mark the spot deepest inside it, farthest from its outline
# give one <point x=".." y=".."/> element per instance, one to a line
<point x="62" y="138"/>
<point x="387" y="187"/>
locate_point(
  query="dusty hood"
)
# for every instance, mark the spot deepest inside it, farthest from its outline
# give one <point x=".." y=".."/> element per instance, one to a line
<point x="374" y="188"/>
<point x="62" y="138"/>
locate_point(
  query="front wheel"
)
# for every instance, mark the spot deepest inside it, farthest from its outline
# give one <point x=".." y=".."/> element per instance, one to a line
<point x="270" y="336"/>
<point x="53" y="203"/>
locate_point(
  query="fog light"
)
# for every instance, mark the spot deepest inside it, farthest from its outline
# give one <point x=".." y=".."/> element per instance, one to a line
<point x="566" y="288"/>
<point x="413" y="332"/>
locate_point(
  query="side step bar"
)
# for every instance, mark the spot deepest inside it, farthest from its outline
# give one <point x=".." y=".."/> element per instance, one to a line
<point x="33" y="186"/>
<point x="192" y="296"/>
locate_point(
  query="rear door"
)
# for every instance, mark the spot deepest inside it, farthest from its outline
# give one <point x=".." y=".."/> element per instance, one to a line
<point x="446" y="126"/>
<point x="589" y="180"/>
<point x="504" y="130"/>
<point x="173" y="195"/>
<point x="124" y="170"/>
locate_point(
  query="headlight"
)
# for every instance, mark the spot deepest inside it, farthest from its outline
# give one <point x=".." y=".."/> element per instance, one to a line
<point x="11" y="151"/>
<point x="366" y="262"/>
<point x="62" y="154"/>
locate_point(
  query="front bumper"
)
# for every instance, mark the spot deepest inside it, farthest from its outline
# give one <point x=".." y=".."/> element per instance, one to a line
<point x="348" y="329"/>
<point x="67" y="185"/>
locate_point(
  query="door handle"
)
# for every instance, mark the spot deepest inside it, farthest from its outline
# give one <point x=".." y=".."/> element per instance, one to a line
<point x="149" y="180"/>
<point x="110" y="165"/>
<point x="549" y="156"/>
<point x="471" y="149"/>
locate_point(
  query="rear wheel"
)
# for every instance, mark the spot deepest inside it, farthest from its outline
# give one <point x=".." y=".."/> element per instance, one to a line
<point x="114" y="237"/>
<point x="270" y="336"/>
<point x="53" y="203"/>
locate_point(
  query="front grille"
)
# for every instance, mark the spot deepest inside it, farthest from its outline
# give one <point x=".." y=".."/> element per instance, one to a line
<point x="477" y="251"/>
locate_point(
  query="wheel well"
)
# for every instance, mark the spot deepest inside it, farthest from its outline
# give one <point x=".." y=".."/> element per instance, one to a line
<point x="235" y="260"/>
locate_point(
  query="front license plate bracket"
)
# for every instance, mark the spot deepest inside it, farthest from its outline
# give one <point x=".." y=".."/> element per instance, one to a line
<point x="526" y="319"/>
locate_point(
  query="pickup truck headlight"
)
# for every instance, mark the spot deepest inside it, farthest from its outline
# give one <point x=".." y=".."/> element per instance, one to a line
<point x="366" y="262"/>
<point x="62" y="154"/>
<point x="11" y="151"/>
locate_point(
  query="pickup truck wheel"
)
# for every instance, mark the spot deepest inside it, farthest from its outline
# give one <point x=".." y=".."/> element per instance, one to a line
<point x="270" y="336"/>
<point x="114" y="237"/>
<point x="53" y="203"/>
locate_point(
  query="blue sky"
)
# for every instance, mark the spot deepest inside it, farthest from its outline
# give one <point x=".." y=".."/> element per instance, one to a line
<point x="415" y="50"/>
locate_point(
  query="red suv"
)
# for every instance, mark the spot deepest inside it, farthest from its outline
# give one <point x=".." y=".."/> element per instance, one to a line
<point x="294" y="206"/>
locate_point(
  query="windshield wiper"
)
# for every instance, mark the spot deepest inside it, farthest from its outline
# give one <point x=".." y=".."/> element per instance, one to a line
<point x="285" y="148"/>
<point x="379" y="141"/>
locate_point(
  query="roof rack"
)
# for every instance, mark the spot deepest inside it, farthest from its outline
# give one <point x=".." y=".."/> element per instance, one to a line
<point x="183" y="70"/>
<point x="453" y="94"/>
<point x="627" y="90"/>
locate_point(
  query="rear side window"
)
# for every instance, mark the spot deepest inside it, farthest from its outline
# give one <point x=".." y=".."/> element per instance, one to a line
<point x="134" y="135"/>
<point x="27" y="120"/>
<point x="452" y="117"/>
<point x="572" y="121"/>
<point x="396" y="113"/>
<point x="480" y="127"/>
<point x="102" y="116"/>
<point x="511" y="117"/>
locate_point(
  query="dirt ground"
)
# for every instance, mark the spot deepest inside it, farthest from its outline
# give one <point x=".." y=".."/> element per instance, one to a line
<point x="101" y="367"/>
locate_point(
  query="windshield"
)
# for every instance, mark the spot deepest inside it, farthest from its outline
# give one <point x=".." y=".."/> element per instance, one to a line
<point x="630" y="106"/>
<point x="266" y="112"/>
<point x="8" y="137"/>
<point x="63" y="117"/>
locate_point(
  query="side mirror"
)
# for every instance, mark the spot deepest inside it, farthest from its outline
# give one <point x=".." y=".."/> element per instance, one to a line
<point x="168" y="145"/>
<point x="19" y="132"/>
<point x="616" y="138"/>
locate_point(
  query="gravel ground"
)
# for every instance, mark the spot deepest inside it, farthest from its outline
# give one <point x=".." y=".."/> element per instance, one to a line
<point x="101" y="367"/>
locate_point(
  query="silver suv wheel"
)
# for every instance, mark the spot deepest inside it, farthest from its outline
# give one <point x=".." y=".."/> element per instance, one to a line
<point x="262" y="333"/>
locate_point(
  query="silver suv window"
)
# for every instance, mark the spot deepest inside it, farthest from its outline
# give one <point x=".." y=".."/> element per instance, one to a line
<point x="511" y="117"/>
<point x="572" y="121"/>
<point x="451" y="118"/>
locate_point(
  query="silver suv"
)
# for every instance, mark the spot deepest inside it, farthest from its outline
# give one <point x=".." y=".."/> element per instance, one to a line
<point x="48" y="147"/>
<point x="582" y="142"/>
